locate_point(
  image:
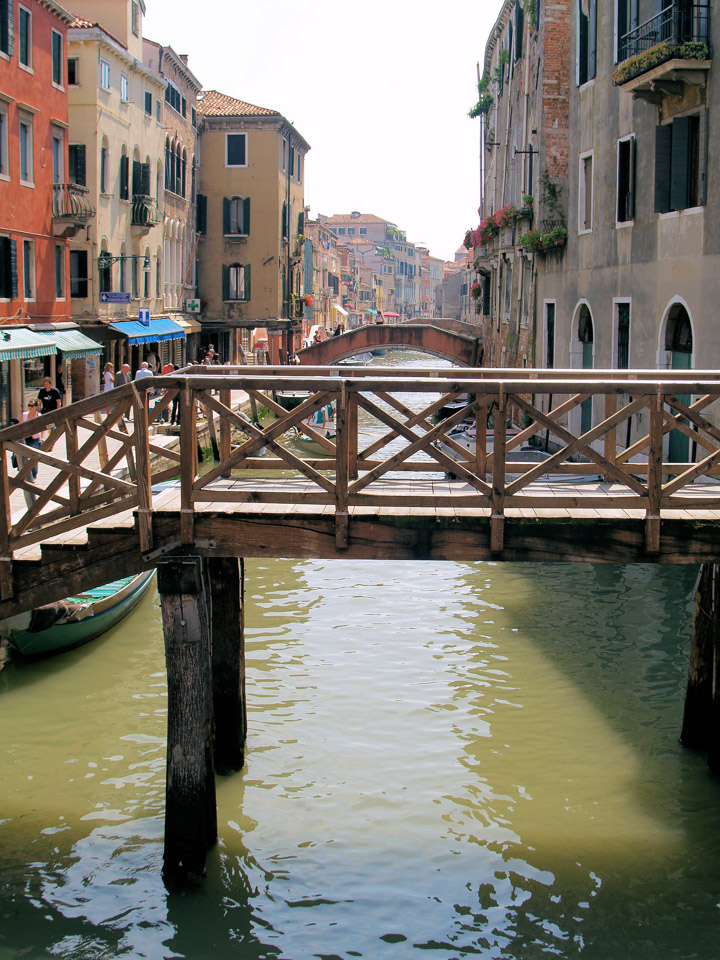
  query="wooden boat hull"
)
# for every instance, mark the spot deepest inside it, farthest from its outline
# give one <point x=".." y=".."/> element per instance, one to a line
<point x="107" y="606"/>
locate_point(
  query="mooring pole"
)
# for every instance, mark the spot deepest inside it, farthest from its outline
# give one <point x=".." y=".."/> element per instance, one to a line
<point x="227" y="628"/>
<point x="190" y="812"/>
<point x="699" y="694"/>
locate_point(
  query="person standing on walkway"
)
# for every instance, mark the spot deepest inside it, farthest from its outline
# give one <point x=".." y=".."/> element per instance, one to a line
<point x="108" y="377"/>
<point x="35" y="439"/>
<point x="144" y="371"/>
<point x="49" y="396"/>
<point x="123" y="375"/>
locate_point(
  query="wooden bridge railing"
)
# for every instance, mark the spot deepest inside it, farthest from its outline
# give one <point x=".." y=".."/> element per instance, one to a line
<point x="382" y="440"/>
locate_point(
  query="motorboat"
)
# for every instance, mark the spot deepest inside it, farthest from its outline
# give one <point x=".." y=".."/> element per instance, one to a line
<point x="57" y="627"/>
<point x="359" y="360"/>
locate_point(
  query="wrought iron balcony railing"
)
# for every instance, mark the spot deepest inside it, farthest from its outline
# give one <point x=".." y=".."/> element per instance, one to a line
<point x="678" y="23"/>
<point x="71" y="202"/>
<point x="145" y="212"/>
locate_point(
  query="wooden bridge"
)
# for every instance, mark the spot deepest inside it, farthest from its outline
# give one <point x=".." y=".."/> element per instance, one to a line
<point x="382" y="488"/>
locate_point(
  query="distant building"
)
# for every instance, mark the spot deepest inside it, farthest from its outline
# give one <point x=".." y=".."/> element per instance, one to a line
<point x="251" y="258"/>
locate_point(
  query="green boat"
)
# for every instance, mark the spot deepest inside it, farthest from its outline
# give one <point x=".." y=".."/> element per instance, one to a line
<point x="58" y="627"/>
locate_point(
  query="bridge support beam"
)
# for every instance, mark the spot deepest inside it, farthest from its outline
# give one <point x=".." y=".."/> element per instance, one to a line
<point x="227" y="629"/>
<point x="190" y="812"/>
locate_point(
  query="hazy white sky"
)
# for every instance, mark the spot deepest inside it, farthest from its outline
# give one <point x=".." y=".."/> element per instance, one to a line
<point x="380" y="90"/>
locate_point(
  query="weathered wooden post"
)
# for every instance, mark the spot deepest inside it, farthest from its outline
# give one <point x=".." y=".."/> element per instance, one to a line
<point x="699" y="693"/>
<point x="190" y="813"/>
<point x="497" y="518"/>
<point x="227" y="630"/>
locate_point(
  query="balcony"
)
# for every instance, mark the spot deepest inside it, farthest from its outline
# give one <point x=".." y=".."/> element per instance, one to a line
<point x="667" y="55"/>
<point x="71" y="208"/>
<point x="145" y="213"/>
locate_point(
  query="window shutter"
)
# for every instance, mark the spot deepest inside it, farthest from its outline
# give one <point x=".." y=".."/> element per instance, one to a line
<point x="663" y="146"/>
<point x="226" y="215"/>
<point x="622" y="28"/>
<point x="631" y="180"/>
<point x="519" y="24"/>
<point x="679" y="157"/>
<point x="225" y="282"/>
<point x="13" y="269"/>
<point x="145" y="179"/>
<point x="124" y="176"/>
<point x="582" y="46"/>
<point x="246" y="215"/>
<point x="702" y="158"/>
<point x="247" y="281"/>
<point x="10" y="28"/>
<point x="301" y="222"/>
<point x="136" y="177"/>
<point x="201" y="213"/>
<point x="592" y="40"/>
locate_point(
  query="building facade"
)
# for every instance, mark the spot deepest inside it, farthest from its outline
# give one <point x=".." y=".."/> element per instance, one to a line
<point x="251" y="258"/>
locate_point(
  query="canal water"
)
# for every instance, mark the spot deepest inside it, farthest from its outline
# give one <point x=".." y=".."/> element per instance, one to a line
<point x="445" y="760"/>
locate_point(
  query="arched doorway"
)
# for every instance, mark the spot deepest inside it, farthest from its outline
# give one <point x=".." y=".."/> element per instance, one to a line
<point x="679" y="346"/>
<point x="585" y="337"/>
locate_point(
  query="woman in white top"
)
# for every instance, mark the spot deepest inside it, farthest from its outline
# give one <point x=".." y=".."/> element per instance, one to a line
<point x="108" y="377"/>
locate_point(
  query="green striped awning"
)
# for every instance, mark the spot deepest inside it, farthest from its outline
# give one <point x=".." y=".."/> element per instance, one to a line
<point x="19" y="343"/>
<point x="73" y="343"/>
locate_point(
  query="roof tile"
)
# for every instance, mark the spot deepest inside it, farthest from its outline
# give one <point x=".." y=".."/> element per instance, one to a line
<point x="215" y="104"/>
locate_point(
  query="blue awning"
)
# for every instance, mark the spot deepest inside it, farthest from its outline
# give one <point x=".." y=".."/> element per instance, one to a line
<point x="19" y="343"/>
<point x="161" y="328"/>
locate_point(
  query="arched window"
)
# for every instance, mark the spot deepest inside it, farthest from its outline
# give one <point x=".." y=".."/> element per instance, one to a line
<point x="158" y="273"/>
<point x="236" y="281"/>
<point x="146" y="269"/>
<point x="168" y="164"/>
<point x="123" y="271"/>
<point x="183" y="173"/>
<point x="586" y="337"/>
<point x="678" y="332"/>
<point x="104" y="161"/>
<point x="124" y="191"/>
<point x="105" y="268"/>
<point x="236" y="216"/>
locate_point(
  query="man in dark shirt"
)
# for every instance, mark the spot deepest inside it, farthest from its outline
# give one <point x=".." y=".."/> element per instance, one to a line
<point x="49" y="396"/>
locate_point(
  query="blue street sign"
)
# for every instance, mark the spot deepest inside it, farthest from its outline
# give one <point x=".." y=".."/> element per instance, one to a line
<point x="114" y="297"/>
<point x="144" y="316"/>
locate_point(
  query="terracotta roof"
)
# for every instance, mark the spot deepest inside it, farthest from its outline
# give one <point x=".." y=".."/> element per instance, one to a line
<point x="82" y="22"/>
<point x="216" y="104"/>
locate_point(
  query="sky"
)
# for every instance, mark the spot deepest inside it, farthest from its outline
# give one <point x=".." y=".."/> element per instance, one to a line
<point x="380" y="90"/>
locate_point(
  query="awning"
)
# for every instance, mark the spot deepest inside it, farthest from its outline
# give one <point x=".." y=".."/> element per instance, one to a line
<point x="336" y="306"/>
<point x="160" y="329"/>
<point x="370" y="310"/>
<point x="391" y="313"/>
<point x="189" y="326"/>
<point x="19" y="343"/>
<point x="73" y="343"/>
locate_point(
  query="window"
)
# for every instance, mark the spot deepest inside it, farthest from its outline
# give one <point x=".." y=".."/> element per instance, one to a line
<point x="58" y="155"/>
<point x="148" y="103"/>
<point x="135" y="19"/>
<point x="680" y="163"/>
<point x="124" y="176"/>
<point x="292" y="161"/>
<point x="73" y="73"/>
<point x="284" y="155"/>
<point x="4" y="144"/>
<point x="351" y="231"/>
<point x="236" y="216"/>
<point x="104" y="167"/>
<point x="341" y="231"/>
<point x="235" y="150"/>
<point x="28" y="250"/>
<point x="6" y="27"/>
<point x="623" y="335"/>
<point x="363" y="231"/>
<point x="26" y="149"/>
<point x="8" y="269"/>
<point x="549" y="335"/>
<point x="78" y="274"/>
<point x="140" y="179"/>
<point x="58" y="59"/>
<point x="60" y="271"/>
<point x="284" y="231"/>
<point x="105" y="271"/>
<point x="158" y="110"/>
<point x="586" y="41"/>
<point x="236" y="281"/>
<point x="299" y="161"/>
<point x="193" y="116"/>
<point x="123" y="88"/>
<point x="146" y="274"/>
<point x="24" y="37"/>
<point x="176" y="100"/>
<point x="585" y="204"/>
<point x="104" y="74"/>
<point x="134" y="277"/>
<point x="122" y="286"/>
<point x="626" y="180"/>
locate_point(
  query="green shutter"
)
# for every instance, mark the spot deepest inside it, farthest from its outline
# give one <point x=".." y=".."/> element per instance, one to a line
<point x="226" y="216"/>
<point x="10" y="29"/>
<point x="246" y="215"/>
<point x="13" y="269"/>
<point x="247" y="281"/>
<point x="663" y="147"/>
<point x="124" y="176"/>
<point x="679" y="163"/>
<point x="201" y="213"/>
<point x="225" y="282"/>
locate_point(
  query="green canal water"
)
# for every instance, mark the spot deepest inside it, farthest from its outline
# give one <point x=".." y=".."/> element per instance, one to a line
<point x="445" y="760"/>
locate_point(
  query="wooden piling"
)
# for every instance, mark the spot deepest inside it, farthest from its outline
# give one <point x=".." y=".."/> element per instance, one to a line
<point x="699" y="693"/>
<point x="190" y="813"/>
<point x="227" y="628"/>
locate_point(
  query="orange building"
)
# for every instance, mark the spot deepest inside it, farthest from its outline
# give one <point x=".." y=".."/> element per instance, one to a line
<point x="38" y="207"/>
